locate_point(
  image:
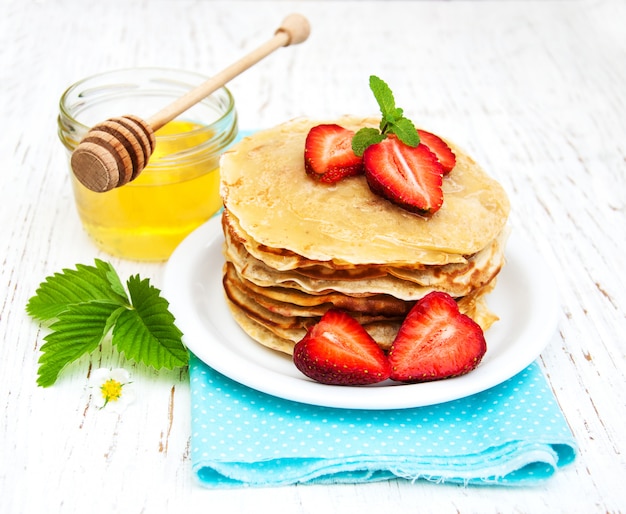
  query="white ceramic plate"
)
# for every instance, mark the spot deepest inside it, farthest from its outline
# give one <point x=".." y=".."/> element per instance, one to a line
<point x="525" y="299"/>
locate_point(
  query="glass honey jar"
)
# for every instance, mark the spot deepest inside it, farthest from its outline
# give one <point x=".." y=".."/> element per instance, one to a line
<point x="179" y="188"/>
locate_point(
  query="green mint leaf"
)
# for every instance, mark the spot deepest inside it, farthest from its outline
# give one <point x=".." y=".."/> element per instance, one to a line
<point x="384" y="97"/>
<point x="78" y="330"/>
<point x="406" y="132"/>
<point x="392" y="119"/>
<point x="84" y="284"/>
<point x="147" y="333"/>
<point x="365" y="137"/>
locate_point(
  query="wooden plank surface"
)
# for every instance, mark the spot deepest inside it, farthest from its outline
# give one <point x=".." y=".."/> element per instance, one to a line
<point x="534" y="90"/>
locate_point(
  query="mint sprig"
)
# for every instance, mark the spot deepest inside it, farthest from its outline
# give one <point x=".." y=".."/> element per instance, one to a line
<point x="84" y="305"/>
<point x="392" y="121"/>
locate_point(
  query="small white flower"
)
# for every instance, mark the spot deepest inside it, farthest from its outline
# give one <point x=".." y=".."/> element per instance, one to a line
<point x="113" y="388"/>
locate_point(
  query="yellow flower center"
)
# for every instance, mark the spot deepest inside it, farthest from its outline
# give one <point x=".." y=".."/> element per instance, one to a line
<point x="111" y="390"/>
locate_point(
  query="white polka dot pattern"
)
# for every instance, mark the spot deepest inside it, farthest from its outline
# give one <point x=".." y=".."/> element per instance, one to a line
<point x="512" y="434"/>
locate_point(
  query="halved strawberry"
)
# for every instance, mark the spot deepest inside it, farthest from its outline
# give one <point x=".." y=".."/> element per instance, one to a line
<point x="338" y="351"/>
<point x="440" y="148"/>
<point x="328" y="155"/>
<point x="436" y="341"/>
<point x="409" y="177"/>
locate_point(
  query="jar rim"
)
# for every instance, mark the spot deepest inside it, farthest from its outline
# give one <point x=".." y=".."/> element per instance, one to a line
<point x="150" y="70"/>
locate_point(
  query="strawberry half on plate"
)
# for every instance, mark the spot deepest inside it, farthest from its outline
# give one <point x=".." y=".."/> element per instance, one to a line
<point x="339" y="351"/>
<point x="436" y="341"/>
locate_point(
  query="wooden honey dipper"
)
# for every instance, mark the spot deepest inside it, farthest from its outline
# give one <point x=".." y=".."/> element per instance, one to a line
<point x="115" y="151"/>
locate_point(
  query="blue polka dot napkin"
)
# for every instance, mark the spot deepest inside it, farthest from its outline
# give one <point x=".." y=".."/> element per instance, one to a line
<point x="512" y="434"/>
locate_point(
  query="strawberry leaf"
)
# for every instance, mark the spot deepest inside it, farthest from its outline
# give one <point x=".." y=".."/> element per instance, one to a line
<point x="78" y="330"/>
<point x="85" y="304"/>
<point x="146" y="333"/>
<point x="116" y="283"/>
<point x="84" y="284"/>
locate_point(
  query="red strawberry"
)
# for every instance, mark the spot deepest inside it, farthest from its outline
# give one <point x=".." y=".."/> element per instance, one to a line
<point x="440" y="148"/>
<point x="436" y="341"/>
<point x="338" y="350"/>
<point x="328" y="155"/>
<point x="409" y="177"/>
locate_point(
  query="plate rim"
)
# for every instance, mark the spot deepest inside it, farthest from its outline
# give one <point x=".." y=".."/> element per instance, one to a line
<point x="189" y="255"/>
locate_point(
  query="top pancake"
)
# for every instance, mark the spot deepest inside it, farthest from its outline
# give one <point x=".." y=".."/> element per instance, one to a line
<point x="264" y="184"/>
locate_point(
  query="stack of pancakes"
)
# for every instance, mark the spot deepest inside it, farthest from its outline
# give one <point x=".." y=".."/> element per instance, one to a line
<point x="295" y="248"/>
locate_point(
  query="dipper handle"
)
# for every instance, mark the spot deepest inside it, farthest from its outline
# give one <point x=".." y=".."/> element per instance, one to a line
<point x="115" y="151"/>
<point x="293" y="30"/>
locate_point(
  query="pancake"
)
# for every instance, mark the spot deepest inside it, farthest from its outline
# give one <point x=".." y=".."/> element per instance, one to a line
<point x="295" y="248"/>
<point x="264" y="185"/>
<point x="302" y="303"/>
<point x="280" y="332"/>
<point x="283" y="339"/>
<point x="457" y="279"/>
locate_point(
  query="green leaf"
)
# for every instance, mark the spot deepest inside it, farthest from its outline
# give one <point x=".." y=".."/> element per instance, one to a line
<point x="398" y="113"/>
<point x="78" y="330"/>
<point x="365" y="137"/>
<point x="147" y="332"/>
<point x="406" y="132"/>
<point x="84" y="284"/>
<point x="86" y="304"/>
<point x="116" y="283"/>
<point x="392" y="119"/>
<point x="384" y="97"/>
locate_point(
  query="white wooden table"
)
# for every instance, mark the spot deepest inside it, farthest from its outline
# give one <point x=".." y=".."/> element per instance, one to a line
<point x="534" y="90"/>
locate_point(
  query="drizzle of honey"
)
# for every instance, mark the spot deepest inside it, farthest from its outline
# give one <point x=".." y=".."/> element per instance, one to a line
<point x="147" y="218"/>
